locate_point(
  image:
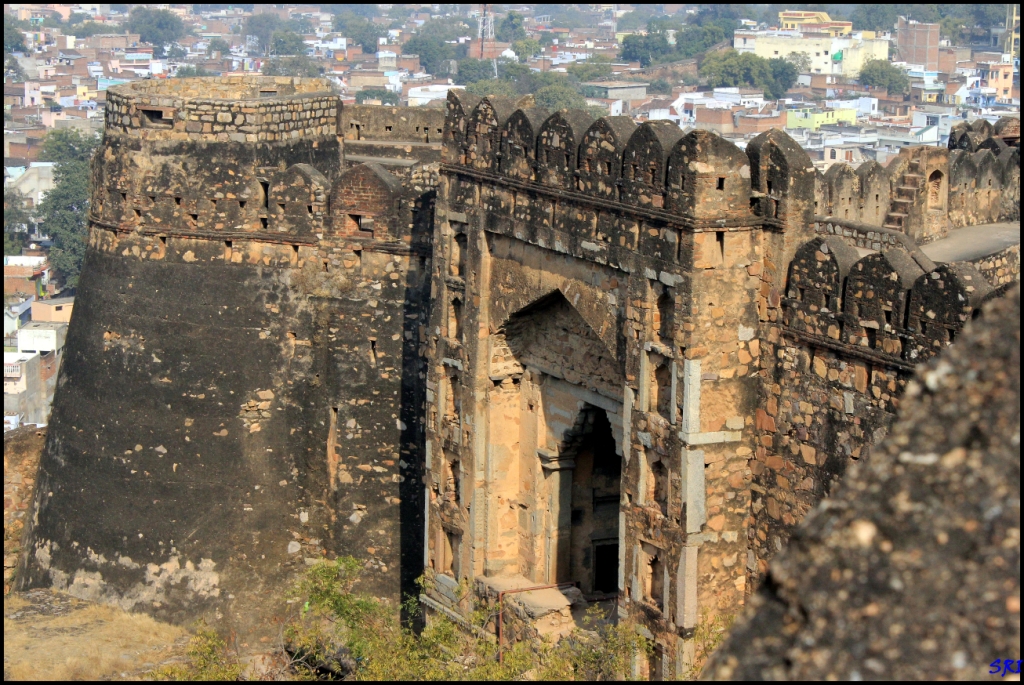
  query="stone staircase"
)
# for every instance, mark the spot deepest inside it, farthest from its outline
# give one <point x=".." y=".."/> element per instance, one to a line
<point x="911" y="183"/>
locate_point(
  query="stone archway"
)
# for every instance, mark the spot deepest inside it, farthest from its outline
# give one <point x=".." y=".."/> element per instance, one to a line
<point x="568" y="446"/>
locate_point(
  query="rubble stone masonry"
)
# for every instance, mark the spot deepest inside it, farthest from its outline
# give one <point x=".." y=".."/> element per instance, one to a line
<point x="616" y="357"/>
<point x="636" y="321"/>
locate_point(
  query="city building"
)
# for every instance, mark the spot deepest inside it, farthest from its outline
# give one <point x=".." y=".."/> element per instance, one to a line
<point x="917" y="42"/>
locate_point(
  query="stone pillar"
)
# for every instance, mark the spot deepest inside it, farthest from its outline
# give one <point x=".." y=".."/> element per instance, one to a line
<point x="558" y="470"/>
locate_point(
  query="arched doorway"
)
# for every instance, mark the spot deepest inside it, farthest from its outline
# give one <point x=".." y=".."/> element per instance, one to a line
<point x="568" y="441"/>
<point x="594" y="520"/>
<point x="935" y="190"/>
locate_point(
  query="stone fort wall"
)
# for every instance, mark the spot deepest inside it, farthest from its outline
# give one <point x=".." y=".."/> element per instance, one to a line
<point x="242" y="388"/>
<point x="750" y="324"/>
<point x="283" y="351"/>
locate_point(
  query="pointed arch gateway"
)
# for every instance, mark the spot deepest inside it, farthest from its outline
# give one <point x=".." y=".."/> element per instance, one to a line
<point x="563" y="458"/>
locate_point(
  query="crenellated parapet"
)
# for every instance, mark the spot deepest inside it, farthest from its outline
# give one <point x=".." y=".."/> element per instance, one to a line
<point x="892" y="306"/>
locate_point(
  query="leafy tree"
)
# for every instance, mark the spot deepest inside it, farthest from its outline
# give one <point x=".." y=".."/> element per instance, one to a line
<point x="510" y="28"/>
<point x="64" y="209"/>
<point x="492" y="86"/>
<point x="359" y="30"/>
<point x="191" y="71"/>
<point x="386" y="97"/>
<point x="14" y="39"/>
<point x="432" y="52"/>
<point x="593" y="70"/>
<point x="660" y="85"/>
<point x="800" y="60"/>
<point x="555" y="97"/>
<point x="525" y="48"/>
<point x="637" y="19"/>
<point x="881" y="74"/>
<point x="158" y="27"/>
<point x="78" y="18"/>
<point x="219" y="45"/>
<point x="15" y="221"/>
<point x="293" y="65"/>
<point x="88" y="28"/>
<point x="730" y="69"/>
<point x="784" y="75"/>
<point x="571" y="17"/>
<point x="12" y="70"/>
<point x="262" y="27"/>
<point x="473" y="70"/>
<point x="288" y="43"/>
<point x="177" y="52"/>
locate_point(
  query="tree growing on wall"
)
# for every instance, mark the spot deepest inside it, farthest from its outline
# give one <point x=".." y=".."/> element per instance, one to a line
<point x="64" y="210"/>
<point x="881" y="74"/>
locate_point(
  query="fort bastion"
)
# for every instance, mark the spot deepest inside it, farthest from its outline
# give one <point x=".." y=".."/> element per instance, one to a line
<point x="490" y="344"/>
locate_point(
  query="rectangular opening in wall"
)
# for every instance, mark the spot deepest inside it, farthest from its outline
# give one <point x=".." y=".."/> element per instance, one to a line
<point x="138" y="213"/>
<point x="332" y="448"/>
<point x="366" y="226"/>
<point x="241" y="204"/>
<point x="268" y="93"/>
<point x="389" y="129"/>
<point x="163" y="240"/>
<point x="177" y="201"/>
<point x="309" y="210"/>
<point x="265" y="186"/>
<point x="156" y="118"/>
<point x="720" y="238"/>
<point x="263" y="222"/>
<point x="721" y="183"/>
<point x="227" y="250"/>
<point x="280" y="208"/>
<point x="606" y="568"/>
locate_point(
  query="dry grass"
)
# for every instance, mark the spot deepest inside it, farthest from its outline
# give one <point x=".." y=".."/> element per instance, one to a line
<point x="88" y="643"/>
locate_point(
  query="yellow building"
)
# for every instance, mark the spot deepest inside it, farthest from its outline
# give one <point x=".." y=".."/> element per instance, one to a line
<point x="843" y="56"/>
<point x="814" y="119"/>
<point x="816" y="22"/>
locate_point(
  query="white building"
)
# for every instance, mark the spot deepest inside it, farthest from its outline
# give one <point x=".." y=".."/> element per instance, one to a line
<point x="864" y="106"/>
<point x="420" y="96"/>
<point x="42" y="337"/>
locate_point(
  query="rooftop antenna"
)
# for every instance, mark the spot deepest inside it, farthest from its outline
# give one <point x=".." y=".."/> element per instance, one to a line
<point x="485" y="31"/>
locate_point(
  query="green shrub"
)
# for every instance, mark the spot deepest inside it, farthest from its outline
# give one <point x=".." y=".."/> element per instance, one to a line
<point x="342" y="634"/>
<point x="207" y="660"/>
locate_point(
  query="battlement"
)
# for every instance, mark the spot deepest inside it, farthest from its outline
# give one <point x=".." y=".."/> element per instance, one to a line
<point x="245" y="109"/>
